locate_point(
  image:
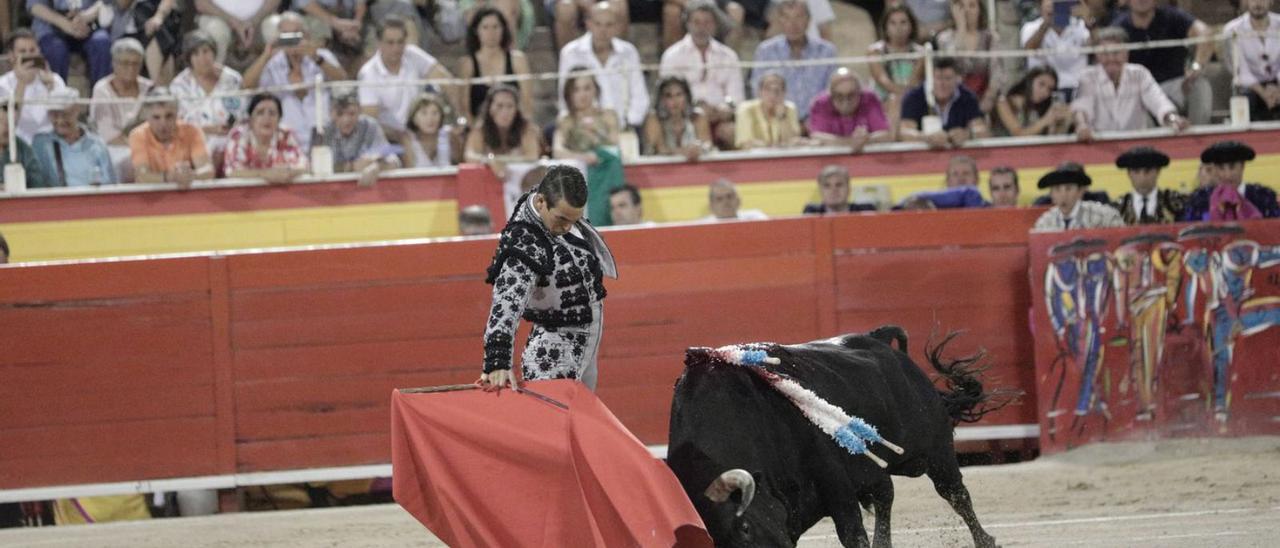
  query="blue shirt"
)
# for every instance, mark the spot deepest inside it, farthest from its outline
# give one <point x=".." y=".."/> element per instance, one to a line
<point x="79" y="160"/>
<point x="962" y="109"/>
<point x="803" y="83"/>
<point x="954" y="197"/>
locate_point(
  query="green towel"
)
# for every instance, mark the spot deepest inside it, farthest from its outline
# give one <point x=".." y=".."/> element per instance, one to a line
<point x="603" y="177"/>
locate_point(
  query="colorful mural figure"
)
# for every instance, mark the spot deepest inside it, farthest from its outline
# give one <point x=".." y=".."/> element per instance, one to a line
<point x="1148" y="273"/>
<point x="1222" y="273"/>
<point x="1077" y="295"/>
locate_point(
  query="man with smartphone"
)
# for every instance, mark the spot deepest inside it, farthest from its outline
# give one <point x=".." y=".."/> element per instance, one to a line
<point x="29" y="80"/>
<point x="1058" y="28"/>
<point x="295" y="58"/>
<point x="63" y="27"/>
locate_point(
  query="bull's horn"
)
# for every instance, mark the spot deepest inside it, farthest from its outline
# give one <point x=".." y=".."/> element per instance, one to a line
<point x="731" y="481"/>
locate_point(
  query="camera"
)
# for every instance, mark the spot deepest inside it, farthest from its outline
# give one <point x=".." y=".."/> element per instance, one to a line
<point x="36" y="61"/>
<point x="289" y="39"/>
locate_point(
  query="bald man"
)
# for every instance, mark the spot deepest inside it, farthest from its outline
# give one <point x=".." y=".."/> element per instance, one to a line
<point x="846" y="114"/>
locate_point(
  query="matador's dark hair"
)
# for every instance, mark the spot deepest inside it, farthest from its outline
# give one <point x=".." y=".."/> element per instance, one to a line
<point x="566" y="183"/>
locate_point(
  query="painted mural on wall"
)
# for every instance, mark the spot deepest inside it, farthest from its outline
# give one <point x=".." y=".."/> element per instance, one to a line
<point x="1157" y="331"/>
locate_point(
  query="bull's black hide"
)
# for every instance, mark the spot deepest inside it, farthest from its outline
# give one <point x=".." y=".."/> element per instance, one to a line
<point x="723" y="417"/>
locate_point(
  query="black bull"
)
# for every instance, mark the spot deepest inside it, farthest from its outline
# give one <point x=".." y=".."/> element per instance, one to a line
<point x="725" y="418"/>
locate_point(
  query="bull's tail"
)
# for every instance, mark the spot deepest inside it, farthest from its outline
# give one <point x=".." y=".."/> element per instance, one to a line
<point x="962" y="392"/>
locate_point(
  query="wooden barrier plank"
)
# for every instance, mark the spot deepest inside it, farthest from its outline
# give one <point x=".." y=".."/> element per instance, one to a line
<point x="317" y="452"/>
<point x="709" y="241"/>
<point x="988" y="276"/>
<point x="466" y="259"/>
<point x="109" y="280"/>
<point x="105" y="452"/>
<point x="944" y="228"/>
<point x="341" y="360"/>
<point x="372" y="296"/>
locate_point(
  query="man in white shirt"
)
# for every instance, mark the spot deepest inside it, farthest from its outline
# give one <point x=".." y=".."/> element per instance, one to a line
<point x="233" y="20"/>
<point x="724" y="203"/>
<point x="396" y="61"/>
<point x="29" y="79"/>
<point x="1045" y="33"/>
<point x="296" y="64"/>
<point x="1116" y="95"/>
<point x="1256" y="50"/>
<point x="622" y="91"/>
<point x="717" y="90"/>
<point x="1070" y="210"/>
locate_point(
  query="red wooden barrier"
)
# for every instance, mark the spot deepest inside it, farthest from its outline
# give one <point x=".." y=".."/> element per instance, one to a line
<point x="117" y="371"/>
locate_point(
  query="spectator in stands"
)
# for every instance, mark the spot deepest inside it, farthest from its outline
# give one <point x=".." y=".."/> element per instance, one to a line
<point x="833" y="186"/>
<point x="357" y="141"/>
<point x="769" y="120"/>
<point x="820" y="16"/>
<point x="165" y="149"/>
<point x="847" y="115"/>
<point x="157" y="25"/>
<point x="518" y="13"/>
<point x="622" y="87"/>
<point x="1002" y="184"/>
<point x="490" y="53"/>
<point x="1147" y="204"/>
<point x="1032" y="107"/>
<point x="1229" y="197"/>
<point x="724" y="204"/>
<point x="675" y="126"/>
<point x="568" y="16"/>
<point x="205" y="76"/>
<point x="948" y="198"/>
<point x="626" y="206"/>
<point x="1050" y="33"/>
<point x="589" y="134"/>
<point x="66" y="26"/>
<point x="1144" y="22"/>
<point x="893" y="78"/>
<point x="729" y="29"/>
<point x="228" y="21"/>
<point x="715" y="90"/>
<point x="71" y="154"/>
<point x="113" y="120"/>
<point x="429" y="141"/>
<point x="962" y="118"/>
<point x="932" y="15"/>
<point x="395" y="61"/>
<point x="803" y="83"/>
<point x="1116" y="95"/>
<point x="962" y="170"/>
<point x="474" y="220"/>
<point x="1259" y="58"/>
<point x="969" y="33"/>
<point x="1066" y="186"/>
<point x="295" y="63"/>
<point x="35" y="173"/>
<point x="504" y="134"/>
<point x="339" y="26"/>
<point x="30" y="79"/>
<point x="262" y="148"/>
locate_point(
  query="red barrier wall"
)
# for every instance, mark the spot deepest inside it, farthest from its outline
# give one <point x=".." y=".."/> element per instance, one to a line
<point x="118" y="371"/>
<point x="1140" y="298"/>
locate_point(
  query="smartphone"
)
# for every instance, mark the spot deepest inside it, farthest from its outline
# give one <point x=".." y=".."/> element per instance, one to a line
<point x="289" y="39"/>
<point x="1059" y="96"/>
<point x="1062" y="12"/>
<point x="37" y="61"/>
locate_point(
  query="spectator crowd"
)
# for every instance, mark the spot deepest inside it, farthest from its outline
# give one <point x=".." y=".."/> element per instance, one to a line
<point x="231" y="91"/>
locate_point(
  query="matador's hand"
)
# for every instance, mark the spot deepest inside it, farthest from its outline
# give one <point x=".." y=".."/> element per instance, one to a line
<point x="496" y="380"/>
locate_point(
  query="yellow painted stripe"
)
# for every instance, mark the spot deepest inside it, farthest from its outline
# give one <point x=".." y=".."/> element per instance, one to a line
<point x="116" y="237"/>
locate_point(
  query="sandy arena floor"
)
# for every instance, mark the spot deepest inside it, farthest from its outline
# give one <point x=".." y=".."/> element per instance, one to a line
<point x="1173" y="493"/>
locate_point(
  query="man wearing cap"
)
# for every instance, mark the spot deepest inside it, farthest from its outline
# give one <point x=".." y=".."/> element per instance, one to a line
<point x="1066" y="186"/>
<point x="1229" y="197"/>
<point x="1147" y="205"/>
<point x="71" y="154"/>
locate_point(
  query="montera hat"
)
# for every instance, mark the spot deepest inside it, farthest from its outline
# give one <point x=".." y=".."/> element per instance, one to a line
<point x="1067" y="176"/>
<point x="1142" y="158"/>
<point x="1227" y="152"/>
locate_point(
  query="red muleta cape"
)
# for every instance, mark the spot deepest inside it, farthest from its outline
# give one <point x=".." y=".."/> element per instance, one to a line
<point x="509" y="469"/>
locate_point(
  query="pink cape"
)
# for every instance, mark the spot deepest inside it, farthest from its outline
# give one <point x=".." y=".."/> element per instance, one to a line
<point x="508" y="469"/>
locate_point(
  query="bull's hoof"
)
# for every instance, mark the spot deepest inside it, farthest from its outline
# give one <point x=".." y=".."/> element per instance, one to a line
<point x="986" y="542"/>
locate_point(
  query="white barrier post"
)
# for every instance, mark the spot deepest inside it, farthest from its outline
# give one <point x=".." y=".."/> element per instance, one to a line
<point x="15" y="177"/>
<point x="321" y="154"/>
<point x="932" y="122"/>
<point x="1239" y="103"/>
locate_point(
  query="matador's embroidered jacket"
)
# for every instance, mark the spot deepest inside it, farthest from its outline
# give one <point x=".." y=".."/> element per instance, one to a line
<point x="548" y="280"/>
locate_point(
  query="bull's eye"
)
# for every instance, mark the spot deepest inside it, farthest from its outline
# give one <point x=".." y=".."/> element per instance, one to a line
<point x="744" y="530"/>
